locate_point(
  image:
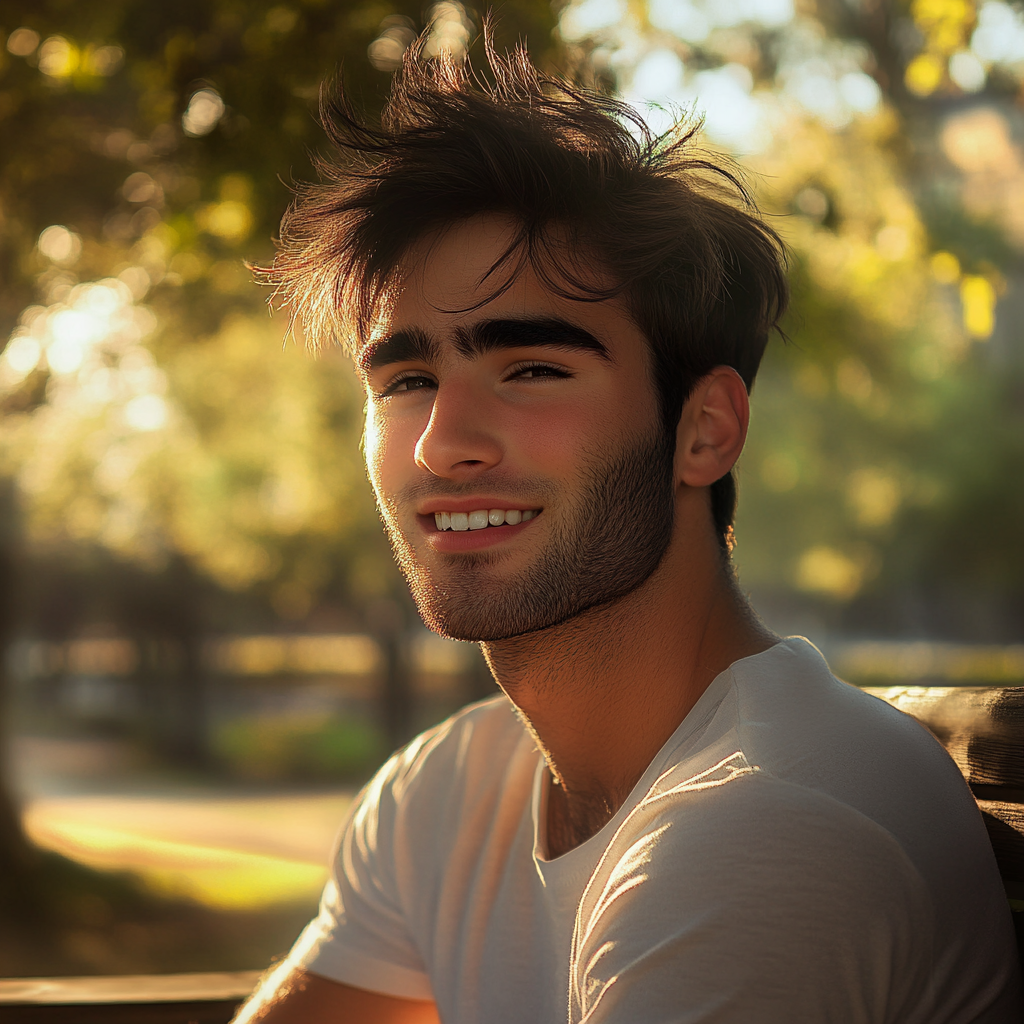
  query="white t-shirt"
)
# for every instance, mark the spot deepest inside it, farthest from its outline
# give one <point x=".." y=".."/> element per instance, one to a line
<point x="797" y="851"/>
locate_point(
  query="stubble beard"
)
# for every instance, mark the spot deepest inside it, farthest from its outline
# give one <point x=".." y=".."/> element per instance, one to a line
<point x="604" y="547"/>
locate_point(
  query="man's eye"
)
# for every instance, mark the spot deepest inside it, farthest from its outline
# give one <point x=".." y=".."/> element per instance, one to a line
<point x="413" y="382"/>
<point x="530" y="371"/>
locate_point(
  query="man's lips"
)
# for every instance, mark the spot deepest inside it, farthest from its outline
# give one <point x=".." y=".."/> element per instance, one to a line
<point x="467" y="505"/>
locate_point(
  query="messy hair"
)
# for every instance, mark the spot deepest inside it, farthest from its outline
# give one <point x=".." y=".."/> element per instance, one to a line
<point x="580" y="176"/>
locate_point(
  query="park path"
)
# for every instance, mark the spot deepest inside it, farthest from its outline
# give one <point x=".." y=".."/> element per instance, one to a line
<point x="224" y="847"/>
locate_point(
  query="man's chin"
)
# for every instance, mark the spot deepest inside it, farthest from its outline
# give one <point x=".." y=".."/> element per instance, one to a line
<point x="473" y="610"/>
<point x="479" y="620"/>
<point x="473" y="627"/>
<point x="486" y="622"/>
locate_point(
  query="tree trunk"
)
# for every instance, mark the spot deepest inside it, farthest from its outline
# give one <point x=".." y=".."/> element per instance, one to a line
<point x="17" y="856"/>
<point x="191" y="742"/>
<point x="387" y="623"/>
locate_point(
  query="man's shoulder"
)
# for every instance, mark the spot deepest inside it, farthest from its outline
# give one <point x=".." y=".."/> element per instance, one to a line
<point x="793" y="718"/>
<point x="731" y="871"/>
<point x="735" y="810"/>
<point x="737" y="875"/>
<point x="753" y="833"/>
<point x="808" y="740"/>
<point x="788" y="707"/>
<point x="477" y="751"/>
<point x="490" y="724"/>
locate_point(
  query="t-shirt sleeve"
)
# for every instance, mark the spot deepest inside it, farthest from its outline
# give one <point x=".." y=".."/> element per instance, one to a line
<point x="752" y="901"/>
<point x="360" y="935"/>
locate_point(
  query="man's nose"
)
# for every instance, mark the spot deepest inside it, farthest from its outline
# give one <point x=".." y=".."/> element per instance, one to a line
<point x="462" y="437"/>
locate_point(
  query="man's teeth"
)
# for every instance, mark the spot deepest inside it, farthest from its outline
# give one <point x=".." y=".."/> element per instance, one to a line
<point x="460" y="521"/>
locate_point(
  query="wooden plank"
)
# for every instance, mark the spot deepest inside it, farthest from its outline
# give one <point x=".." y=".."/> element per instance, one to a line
<point x="996" y="759"/>
<point x="218" y="1011"/>
<point x="1005" y="824"/>
<point x="210" y="998"/>
<point x="136" y="988"/>
<point x="1003" y="794"/>
<point x="982" y="727"/>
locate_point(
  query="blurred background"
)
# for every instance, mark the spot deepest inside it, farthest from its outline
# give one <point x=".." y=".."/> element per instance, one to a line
<point x="206" y="648"/>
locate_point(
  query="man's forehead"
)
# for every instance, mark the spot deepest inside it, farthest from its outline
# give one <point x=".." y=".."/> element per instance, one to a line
<point x="462" y="265"/>
<point x="463" y="287"/>
<point x="476" y="237"/>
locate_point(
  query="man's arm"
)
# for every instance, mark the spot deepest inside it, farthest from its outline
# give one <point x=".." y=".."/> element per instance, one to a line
<point x="290" y="995"/>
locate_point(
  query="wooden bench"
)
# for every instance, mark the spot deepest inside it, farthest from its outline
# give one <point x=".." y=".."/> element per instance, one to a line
<point x="135" y="999"/>
<point x="981" y="727"/>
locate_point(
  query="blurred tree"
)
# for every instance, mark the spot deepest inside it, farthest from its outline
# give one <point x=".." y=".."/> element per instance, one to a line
<point x="881" y="483"/>
<point x="153" y="144"/>
<point x="167" y="448"/>
<point x="152" y="148"/>
<point x="16" y="859"/>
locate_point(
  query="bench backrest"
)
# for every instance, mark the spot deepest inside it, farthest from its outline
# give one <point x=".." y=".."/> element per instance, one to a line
<point x="982" y="727"/>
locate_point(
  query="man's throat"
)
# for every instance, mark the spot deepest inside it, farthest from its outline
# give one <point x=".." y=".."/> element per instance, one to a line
<point x="572" y="820"/>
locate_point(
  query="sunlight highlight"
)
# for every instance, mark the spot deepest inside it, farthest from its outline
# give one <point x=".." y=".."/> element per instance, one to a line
<point x="219" y="878"/>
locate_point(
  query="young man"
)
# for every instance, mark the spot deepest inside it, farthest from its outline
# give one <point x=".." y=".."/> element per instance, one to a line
<point x="671" y="814"/>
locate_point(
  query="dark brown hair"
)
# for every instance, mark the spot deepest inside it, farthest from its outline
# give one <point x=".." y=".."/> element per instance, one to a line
<point x="675" y="230"/>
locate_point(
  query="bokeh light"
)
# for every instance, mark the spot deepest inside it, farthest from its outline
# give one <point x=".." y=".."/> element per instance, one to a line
<point x="204" y="110"/>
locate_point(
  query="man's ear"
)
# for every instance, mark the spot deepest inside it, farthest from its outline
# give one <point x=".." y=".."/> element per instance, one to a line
<point x="712" y="428"/>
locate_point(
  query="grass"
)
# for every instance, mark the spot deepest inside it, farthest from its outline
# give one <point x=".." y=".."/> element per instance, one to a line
<point x="314" y="748"/>
<point x="63" y="918"/>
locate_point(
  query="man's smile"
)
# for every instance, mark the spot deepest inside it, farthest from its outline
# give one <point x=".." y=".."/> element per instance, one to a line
<point x="456" y="531"/>
<point x="482" y="518"/>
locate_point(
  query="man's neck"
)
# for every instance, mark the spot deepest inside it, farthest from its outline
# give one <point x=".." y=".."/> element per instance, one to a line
<point x="604" y="691"/>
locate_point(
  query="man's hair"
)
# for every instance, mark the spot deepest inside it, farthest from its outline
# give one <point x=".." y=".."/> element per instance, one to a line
<point x="674" y="231"/>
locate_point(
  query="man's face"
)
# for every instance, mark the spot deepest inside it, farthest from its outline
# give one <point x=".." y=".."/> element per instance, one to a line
<point x="515" y="450"/>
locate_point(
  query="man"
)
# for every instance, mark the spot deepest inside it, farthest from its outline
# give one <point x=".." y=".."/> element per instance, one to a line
<point x="671" y="814"/>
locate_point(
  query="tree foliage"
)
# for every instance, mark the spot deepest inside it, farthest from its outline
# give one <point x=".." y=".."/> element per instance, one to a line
<point x="178" y="467"/>
<point x="151" y="413"/>
<point x="149" y="407"/>
<point x="881" y="482"/>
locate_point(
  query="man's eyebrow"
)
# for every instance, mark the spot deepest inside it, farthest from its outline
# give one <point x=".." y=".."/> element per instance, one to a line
<point x="401" y="347"/>
<point x="526" y="332"/>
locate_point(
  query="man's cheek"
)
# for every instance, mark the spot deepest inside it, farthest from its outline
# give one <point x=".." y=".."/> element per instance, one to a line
<point x="377" y="449"/>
